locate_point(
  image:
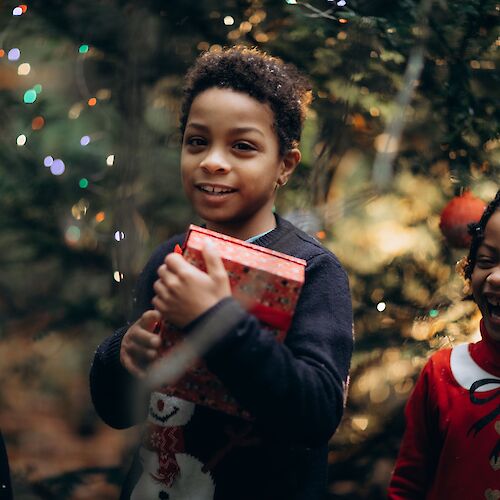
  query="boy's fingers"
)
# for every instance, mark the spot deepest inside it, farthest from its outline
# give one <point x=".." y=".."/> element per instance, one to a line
<point x="149" y="320"/>
<point x="131" y="367"/>
<point x="213" y="261"/>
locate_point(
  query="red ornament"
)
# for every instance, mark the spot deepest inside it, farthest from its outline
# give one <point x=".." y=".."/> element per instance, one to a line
<point x="457" y="215"/>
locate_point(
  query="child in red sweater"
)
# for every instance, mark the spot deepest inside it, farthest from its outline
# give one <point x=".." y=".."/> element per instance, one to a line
<point x="451" y="446"/>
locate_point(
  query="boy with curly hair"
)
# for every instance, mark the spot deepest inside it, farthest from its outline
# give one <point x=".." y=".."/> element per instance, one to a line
<point x="241" y="123"/>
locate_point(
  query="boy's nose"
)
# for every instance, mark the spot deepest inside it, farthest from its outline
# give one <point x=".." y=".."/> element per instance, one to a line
<point x="494" y="277"/>
<point x="215" y="162"/>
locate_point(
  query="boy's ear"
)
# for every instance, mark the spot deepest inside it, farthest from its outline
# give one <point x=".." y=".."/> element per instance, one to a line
<point x="288" y="163"/>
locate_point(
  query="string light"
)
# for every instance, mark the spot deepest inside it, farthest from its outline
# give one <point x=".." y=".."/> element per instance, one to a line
<point x="47" y="161"/>
<point x="433" y="313"/>
<point x="110" y="160"/>
<point x="38" y="88"/>
<point x="229" y="20"/>
<point x="83" y="49"/>
<point x="92" y="101"/>
<point x="21" y="140"/>
<point x="381" y="306"/>
<point x="18" y="11"/>
<point x="119" y="235"/>
<point x="2" y="53"/>
<point x="83" y="183"/>
<point x="85" y="140"/>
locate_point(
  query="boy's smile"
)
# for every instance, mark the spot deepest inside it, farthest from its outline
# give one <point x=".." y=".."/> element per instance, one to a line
<point x="230" y="162"/>
<point x="485" y="277"/>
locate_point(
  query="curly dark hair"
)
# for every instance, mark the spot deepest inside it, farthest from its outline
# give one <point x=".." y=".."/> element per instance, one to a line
<point x="265" y="78"/>
<point x="476" y="230"/>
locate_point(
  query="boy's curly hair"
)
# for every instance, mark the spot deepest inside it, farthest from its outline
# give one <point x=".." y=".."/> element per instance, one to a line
<point x="476" y="230"/>
<point x="265" y="78"/>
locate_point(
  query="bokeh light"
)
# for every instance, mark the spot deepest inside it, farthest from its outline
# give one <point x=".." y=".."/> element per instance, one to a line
<point x="381" y="306"/>
<point x="83" y="49"/>
<point x="118" y="276"/>
<point x="57" y="167"/>
<point x="72" y="234"/>
<point x="19" y="10"/>
<point x="92" y="101"/>
<point x="83" y="183"/>
<point x="21" y="140"/>
<point x="29" y="96"/>
<point x="14" y="54"/>
<point x="100" y="216"/>
<point x="47" y="161"/>
<point x="85" y="140"/>
<point x="229" y="20"/>
<point x="75" y="110"/>
<point x="37" y="123"/>
<point x="24" y="69"/>
<point x="110" y="160"/>
<point x="37" y="88"/>
<point x="119" y="235"/>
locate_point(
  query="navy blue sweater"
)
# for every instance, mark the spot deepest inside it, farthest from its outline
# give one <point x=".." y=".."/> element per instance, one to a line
<point x="5" y="487"/>
<point x="295" y="390"/>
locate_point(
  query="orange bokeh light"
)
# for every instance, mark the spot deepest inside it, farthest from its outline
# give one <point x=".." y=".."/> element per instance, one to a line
<point x="100" y="216"/>
<point x="24" y="7"/>
<point x="92" y="101"/>
<point x="37" y="123"/>
<point x="2" y="52"/>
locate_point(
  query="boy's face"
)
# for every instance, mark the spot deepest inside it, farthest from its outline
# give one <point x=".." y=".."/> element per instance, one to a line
<point x="485" y="277"/>
<point x="230" y="162"/>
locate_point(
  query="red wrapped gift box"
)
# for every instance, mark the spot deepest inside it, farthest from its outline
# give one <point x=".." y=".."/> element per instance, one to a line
<point x="267" y="283"/>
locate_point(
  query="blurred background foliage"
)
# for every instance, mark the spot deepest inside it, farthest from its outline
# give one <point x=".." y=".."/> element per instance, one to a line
<point x="89" y="185"/>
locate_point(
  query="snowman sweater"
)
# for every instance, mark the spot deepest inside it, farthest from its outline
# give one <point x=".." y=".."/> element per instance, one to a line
<point x="295" y="391"/>
<point x="451" y="446"/>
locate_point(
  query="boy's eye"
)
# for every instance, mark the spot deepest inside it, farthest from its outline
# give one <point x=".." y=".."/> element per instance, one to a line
<point x="244" y="146"/>
<point x="196" y="141"/>
<point x="485" y="262"/>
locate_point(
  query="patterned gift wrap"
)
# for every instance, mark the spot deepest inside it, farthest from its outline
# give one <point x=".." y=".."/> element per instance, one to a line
<point x="267" y="283"/>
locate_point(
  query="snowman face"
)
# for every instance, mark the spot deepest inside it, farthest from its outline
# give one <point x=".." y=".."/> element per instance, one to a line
<point x="192" y="483"/>
<point x="168" y="411"/>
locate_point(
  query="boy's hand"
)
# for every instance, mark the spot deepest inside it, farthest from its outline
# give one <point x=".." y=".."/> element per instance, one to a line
<point x="140" y="345"/>
<point x="183" y="292"/>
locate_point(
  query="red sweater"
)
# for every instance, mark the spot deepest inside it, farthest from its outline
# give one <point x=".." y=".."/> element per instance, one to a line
<point x="451" y="446"/>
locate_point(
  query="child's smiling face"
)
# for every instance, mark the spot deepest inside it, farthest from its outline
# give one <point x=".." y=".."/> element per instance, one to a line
<point x="230" y="162"/>
<point x="485" y="277"/>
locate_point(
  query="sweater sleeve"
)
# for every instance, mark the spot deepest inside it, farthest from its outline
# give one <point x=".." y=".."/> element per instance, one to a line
<point x="115" y="393"/>
<point x="419" y="450"/>
<point x="294" y="390"/>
